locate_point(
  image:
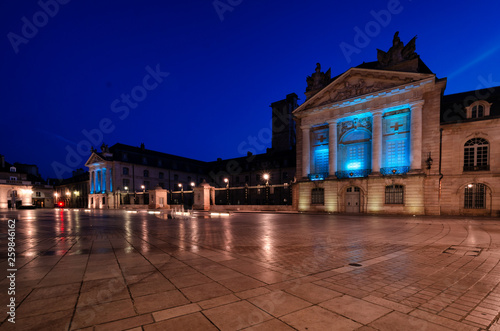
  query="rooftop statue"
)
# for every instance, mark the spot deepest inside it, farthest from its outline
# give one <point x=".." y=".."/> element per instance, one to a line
<point x="398" y="52"/>
<point x="318" y="80"/>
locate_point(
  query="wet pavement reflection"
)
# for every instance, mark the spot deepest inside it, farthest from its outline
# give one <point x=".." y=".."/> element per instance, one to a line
<point x="85" y="268"/>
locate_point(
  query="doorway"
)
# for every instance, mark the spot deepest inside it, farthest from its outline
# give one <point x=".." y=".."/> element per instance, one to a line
<point x="352" y="200"/>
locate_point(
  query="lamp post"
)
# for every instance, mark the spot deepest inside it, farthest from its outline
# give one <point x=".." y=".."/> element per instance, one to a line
<point x="182" y="193"/>
<point x="143" y="194"/>
<point x="193" y="184"/>
<point x="226" y="180"/>
<point x="55" y="197"/>
<point x="266" y="177"/>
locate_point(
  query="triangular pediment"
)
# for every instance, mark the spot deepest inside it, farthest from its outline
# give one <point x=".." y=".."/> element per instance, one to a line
<point x="356" y="83"/>
<point x="94" y="158"/>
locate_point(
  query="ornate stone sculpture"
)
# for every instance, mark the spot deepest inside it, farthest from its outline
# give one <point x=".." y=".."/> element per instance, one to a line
<point x="398" y="52"/>
<point x="104" y="148"/>
<point x="317" y="81"/>
<point x="359" y="87"/>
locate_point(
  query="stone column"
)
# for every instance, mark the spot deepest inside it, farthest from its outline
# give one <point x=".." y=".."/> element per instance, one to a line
<point x="416" y="136"/>
<point x="110" y="179"/>
<point x="306" y="150"/>
<point x="377" y="142"/>
<point x="96" y="182"/>
<point x="332" y="147"/>
<point x="105" y="179"/>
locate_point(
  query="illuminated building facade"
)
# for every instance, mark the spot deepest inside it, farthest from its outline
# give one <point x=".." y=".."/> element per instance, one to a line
<point x="368" y="139"/>
<point x="470" y="124"/>
<point x="125" y="174"/>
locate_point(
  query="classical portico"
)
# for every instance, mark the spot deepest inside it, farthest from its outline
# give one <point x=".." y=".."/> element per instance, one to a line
<point x="367" y="131"/>
<point x="101" y="181"/>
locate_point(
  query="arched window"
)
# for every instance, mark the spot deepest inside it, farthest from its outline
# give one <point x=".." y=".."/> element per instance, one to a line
<point x="394" y="194"/>
<point x="146" y="173"/>
<point x="354" y="148"/>
<point x="476" y="155"/>
<point x="478" y="109"/>
<point x="475" y="196"/>
<point x="318" y="196"/>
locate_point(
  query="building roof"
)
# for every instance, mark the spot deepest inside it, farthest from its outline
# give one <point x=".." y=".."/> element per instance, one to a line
<point x="453" y="105"/>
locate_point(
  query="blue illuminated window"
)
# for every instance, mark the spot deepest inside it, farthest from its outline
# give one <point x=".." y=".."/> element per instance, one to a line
<point x="321" y="160"/>
<point x="320" y="152"/>
<point x="396" y="142"/>
<point x="354" y="149"/>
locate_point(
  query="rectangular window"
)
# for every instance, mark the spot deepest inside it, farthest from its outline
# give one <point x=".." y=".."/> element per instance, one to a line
<point x="318" y="196"/>
<point x="321" y="160"/>
<point x="161" y="175"/>
<point x="126" y="184"/>
<point x="320" y="150"/>
<point x="125" y="170"/>
<point x="469" y="157"/>
<point x="146" y="185"/>
<point x="482" y="156"/>
<point x="38" y="194"/>
<point x="396" y="139"/>
<point x="475" y="196"/>
<point x="394" y="194"/>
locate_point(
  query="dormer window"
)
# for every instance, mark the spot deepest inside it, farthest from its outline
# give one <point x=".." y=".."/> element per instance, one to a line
<point x="478" y="109"/>
<point x="13" y="169"/>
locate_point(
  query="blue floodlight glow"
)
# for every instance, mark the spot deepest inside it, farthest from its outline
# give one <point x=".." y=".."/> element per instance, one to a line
<point x="353" y="166"/>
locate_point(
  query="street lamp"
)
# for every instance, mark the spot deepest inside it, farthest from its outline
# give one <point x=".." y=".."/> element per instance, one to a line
<point x="266" y="177"/>
<point x="226" y="180"/>
<point x="182" y="192"/>
<point x="193" y="184"/>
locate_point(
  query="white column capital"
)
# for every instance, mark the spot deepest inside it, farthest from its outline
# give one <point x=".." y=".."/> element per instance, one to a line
<point x="332" y="121"/>
<point x="305" y="127"/>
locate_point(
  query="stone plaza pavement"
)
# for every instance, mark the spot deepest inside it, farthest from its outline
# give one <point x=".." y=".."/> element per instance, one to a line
<point x="113" y="270"/>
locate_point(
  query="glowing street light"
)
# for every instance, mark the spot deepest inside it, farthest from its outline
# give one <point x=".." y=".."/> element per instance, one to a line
<point x="182" y="192"/>
<point x="226" y="180"/>
<point x="266" y="177"/>
<point x="193" y="184"/>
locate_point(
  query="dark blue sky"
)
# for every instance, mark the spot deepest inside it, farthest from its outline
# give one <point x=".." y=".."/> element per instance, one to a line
<point x="217" y="77"/>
